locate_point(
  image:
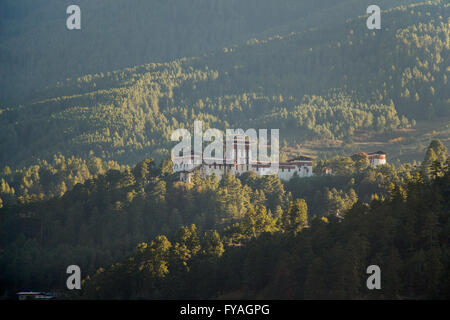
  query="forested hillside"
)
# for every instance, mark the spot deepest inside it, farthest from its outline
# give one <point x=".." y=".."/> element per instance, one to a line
<point x="36" y="49"/>
<point x="85" y="171"/>
<point x="335" y="82"/>
<point x="289" y="255"/>
<point x="299" y="259"/>
<point x="99" y="222"/>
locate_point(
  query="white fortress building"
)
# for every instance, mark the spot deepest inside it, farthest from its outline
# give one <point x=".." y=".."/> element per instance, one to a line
<point x="377" y="158"/>
<point x="237" y="161"/>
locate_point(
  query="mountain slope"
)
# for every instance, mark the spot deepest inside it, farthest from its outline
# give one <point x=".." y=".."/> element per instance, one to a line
<point x="36" y="48"/>
<point x="356" y="81"/>
<point x="405" y="237"/>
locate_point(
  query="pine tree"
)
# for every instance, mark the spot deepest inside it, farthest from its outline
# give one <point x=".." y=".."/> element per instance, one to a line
<point x="296" y="217"/>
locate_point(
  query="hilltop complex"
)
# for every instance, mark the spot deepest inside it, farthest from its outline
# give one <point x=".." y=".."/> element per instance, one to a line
<point x="239" y="160"/>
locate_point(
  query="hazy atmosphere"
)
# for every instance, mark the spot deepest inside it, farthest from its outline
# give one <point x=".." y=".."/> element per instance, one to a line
<point x="95" y="96"/>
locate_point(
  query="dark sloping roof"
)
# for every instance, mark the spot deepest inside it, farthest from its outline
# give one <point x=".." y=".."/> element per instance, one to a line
<point x="378" y="152"/>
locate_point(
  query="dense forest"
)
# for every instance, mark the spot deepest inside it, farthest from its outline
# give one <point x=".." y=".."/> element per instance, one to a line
<point x="335" y="82"/>
<point x="213" y="225"/>
<point x="86" y="177"/>
<point x="298" y="258"/>
<point x="37" y="50"/>
<point x="289" y="255"/>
